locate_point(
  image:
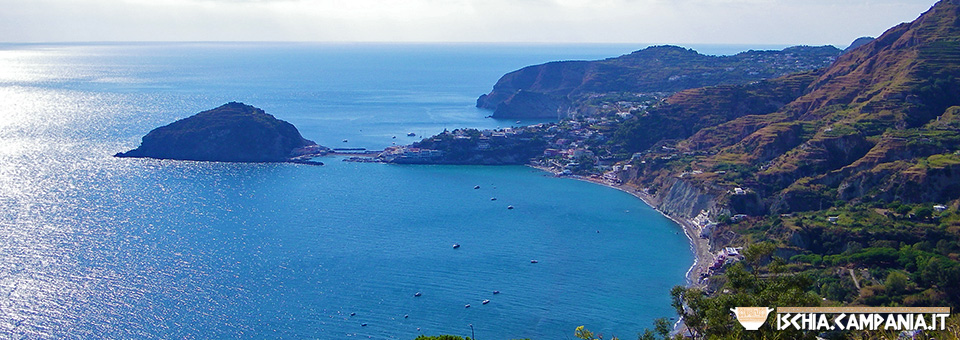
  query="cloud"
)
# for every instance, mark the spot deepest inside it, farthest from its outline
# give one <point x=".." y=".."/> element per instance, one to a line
<point x="637" y="21"/>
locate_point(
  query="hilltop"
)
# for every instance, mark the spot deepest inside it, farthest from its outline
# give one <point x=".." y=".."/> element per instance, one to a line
<point x="560" y="88"/>
<point x="233" y="132"/>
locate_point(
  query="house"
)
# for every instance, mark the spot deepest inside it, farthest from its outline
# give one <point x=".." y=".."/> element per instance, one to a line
<point x="833" y="219"/>
<point x="582" y="153"/>
<point x="707" y="229"/>
<point x="731" y="252"/>
<point x="739" y="191"/>
<point x="939" y="207"/>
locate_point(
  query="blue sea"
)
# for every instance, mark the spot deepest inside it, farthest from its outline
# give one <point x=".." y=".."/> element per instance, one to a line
<point x="94" y="247"/>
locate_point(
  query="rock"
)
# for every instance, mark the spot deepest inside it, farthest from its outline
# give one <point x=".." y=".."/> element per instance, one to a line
<point x="234" y="132"/>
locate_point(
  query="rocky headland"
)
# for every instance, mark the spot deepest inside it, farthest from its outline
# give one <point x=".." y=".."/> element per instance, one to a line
<point x="562" y="88"/>
<point x="233" y="132"/>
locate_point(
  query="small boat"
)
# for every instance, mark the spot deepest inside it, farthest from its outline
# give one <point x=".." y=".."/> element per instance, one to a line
<point x="456" y="246"/>
<point x="394" y="137"/>
<point x="485" y="301"/>
<point x="411" y="134"/>
<point x="405" y="316"/>
<point x="363" y="324"/>
<point x="417" y="294"/>
<point x="467" y="306"/>
<point x="518" y="122"/>
<point x="496" y="292"/>
<point x="493" y="198"/>
<point x="344" y="140"/>
<point x="510" y="207"/>
<point x="476" y="187"/>
<point x="534" y="261"/>
<point x="353" y="314"/>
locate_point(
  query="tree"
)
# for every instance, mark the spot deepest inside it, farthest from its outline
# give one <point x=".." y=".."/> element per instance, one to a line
<point x="757" y="252"/>
<point x="662" y="327"/>
<point x="896" y="282"/>
<point x="710" y="317"/>
<point x="582" y="333"/>
<point x="923" y="212"/>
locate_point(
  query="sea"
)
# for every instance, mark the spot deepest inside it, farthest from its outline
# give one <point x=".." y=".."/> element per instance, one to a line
<point x="97" y="247"/>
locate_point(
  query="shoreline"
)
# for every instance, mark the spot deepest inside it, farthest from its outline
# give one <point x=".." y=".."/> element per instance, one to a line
<point x="699" y="246"/>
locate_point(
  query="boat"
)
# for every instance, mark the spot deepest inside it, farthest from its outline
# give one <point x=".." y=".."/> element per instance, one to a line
<point x="344" y="140"/>
<point x="456" y="246"/>
<point x="476" y="187"/>
<point x="496" y="292"/>
<point x="510" y="207"/>
<point x="518" y="122"/>
<point x="394" y="137"/>
<point x="411" y="134"/>
<point x="363" y="324"/>
<point x="493" y="198"/>
<point x="485" y="301"/>
<point x="534" y="261"/>
<point x="467" y="306"/>
<point x="405" y="316"/>
<point x="417" y="294"/>
<point x="353" y="314"/>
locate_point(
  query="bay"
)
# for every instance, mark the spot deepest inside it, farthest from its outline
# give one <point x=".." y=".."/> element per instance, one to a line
<point x="97" y="247"/>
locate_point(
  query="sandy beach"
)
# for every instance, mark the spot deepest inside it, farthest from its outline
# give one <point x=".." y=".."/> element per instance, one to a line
<point x="699" y="246"/>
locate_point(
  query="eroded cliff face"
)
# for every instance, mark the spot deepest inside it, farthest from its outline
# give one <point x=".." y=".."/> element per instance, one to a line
<point x="681" y="199"/>
<point x="935" y="179"/>
<point x="529" y="104"/>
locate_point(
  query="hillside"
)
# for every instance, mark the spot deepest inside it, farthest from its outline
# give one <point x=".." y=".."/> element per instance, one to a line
<point x="858" y="171"/>
<point x="554" y="88"/>
<point x="902" y="81"/>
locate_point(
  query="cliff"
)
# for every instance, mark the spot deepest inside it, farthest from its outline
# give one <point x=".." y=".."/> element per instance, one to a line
<point x="233" y="132"/>
<point x="551" y="89"/>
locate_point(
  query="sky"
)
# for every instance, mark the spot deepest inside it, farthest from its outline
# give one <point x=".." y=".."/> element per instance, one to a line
<point x="785" y="22"/>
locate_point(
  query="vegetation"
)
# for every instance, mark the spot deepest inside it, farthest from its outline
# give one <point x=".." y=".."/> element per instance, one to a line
<point x="707" y="316"/>
<point x="441" y="337"/>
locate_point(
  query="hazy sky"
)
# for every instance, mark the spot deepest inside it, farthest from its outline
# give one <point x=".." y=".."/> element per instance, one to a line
<point x="814" y="22"/>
